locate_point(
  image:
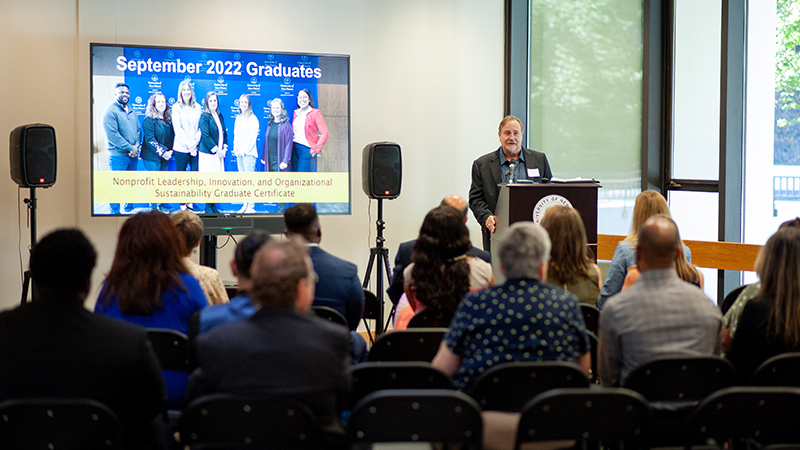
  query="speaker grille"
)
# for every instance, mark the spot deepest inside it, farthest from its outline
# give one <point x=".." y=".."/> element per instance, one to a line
<point x="386" y="169"/>
<point x="382" y="172"/>
<point x="40" y="151"/>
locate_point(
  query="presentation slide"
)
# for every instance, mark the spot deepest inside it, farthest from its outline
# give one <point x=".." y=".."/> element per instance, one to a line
<point x="219" y="132"/>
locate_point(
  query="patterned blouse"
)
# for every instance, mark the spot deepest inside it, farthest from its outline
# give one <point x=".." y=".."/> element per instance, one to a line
<point x="522" y="320"/>
<point x="209" y="280"/>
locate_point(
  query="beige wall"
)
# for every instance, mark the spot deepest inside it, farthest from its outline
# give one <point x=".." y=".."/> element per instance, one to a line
<point x="427" y="75"/>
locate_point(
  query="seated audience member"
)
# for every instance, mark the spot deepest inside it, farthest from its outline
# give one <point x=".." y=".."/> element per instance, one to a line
<point x="150" y="286"/>
<point x="54" y="347"/>
<point x="770" y="323"/>
<point x="191" y="226"/>
<point x="442" y="273"/>
<point x="524" y="319"/>
<point x="571" y="266"/>
<point x="731" y="318"/>
<point x="281" y="350"/>
<point x="338" y="286"/>
<point x="337" y="280"/>
<point x="241" y="306"/>
<point x="403" y="257"/>
<point x="660" y="314"/>
<point x="648" y="203"/>
<point x="686" y="271"/>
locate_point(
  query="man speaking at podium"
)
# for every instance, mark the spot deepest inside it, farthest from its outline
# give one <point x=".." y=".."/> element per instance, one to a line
<point x="509" y="163"/>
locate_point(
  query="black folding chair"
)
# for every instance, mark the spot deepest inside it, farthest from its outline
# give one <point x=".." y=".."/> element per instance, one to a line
<point x="757" y="416"/>
<point x="593" y="343"/>
<point x="50" y="423"/>
<point x="171" y="348"/>
<point x="508" y="386"/>
<point x="430" y="415"/>
<point x="420" y="344"/>
<point x="780" y="370"/>
<point x="371" y="377"/>
<point x="674" y="386"/>
<point x="591" y="317"/>
<point x="426" y="319"/>
<point x="372" y="309"/>
<point x="681" y="378"/>
<point x="230" y="421"/>
<point x="589" y="416"/>
<point x="329" y="314"/>
<point x="730" y="299"/>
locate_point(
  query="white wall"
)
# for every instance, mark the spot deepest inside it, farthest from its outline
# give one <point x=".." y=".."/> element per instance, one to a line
<point x="427" y="75"/>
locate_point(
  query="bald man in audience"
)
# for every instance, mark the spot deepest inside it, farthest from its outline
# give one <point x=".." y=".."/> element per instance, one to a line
<point x="403" y="257"/>
<point x="659" y="315"/>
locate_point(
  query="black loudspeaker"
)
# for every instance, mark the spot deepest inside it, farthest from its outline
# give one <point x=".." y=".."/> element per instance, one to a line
<point x="32" y="152"/>
<point x="382" y="170"/>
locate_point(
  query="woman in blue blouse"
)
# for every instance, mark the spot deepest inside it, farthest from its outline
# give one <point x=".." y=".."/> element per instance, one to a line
<point x="149" y="285"/>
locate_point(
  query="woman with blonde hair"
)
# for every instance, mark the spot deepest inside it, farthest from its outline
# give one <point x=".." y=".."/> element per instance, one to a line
<point x="571" y="266"/>
<point x="770" y="323"/>
<point x="245" y="136"/>
<point x="648" y="203"/>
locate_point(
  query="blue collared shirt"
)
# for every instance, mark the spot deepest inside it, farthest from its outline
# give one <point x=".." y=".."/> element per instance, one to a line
<point x="520" y="171"/>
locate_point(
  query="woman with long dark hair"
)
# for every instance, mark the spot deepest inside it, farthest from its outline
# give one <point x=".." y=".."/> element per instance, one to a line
<point x="149" y="285"/>
<point x="770" y="323"/>
<point x="441" y="273"/>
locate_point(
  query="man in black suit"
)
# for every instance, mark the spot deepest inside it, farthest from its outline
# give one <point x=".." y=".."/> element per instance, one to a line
<point x="281" y="350"/>
<point x="54" y="347"/>
<point x="403" y="257"/>
<point x="509" y="162"/>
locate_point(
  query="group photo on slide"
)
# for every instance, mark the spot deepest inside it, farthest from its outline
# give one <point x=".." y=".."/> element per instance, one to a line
<point x="206" y="123"/>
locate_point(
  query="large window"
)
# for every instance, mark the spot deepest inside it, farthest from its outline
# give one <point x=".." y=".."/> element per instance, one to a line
<point x="772" y="152"/>
<point x="693" y="193"/>
<point x="586" y="97"/>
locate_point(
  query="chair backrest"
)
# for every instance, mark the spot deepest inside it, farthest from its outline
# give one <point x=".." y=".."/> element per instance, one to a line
<point x="508" y="386"/>
<point x="591" y="317"/>
<point x="420" y="344"/>
<point x="370" y="377"/>
<point x="171" y="348"/>
<point x="69" y="423"/>
<point x="729" y="299"/>
<point x="329" y="314"/>
<point x="427" y="415"/>
<point x="223" y="420"/>
<point x="780" y="370"/>
<point x="584" y="414"/>
<point x="593" y="344"/>
<point x="681" y="377"/>
<point x="766" y="415"/>
<point x="372" y="306"/>
<point x="426" y="319"/>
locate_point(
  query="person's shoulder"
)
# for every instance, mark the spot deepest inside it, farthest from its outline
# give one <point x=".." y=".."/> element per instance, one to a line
<point x="479" y="253"/>
<point x="532" y="152"/>
<point x="486" y="158"/>
<point x="344" y="265"/>
<point x="408" y="245"/>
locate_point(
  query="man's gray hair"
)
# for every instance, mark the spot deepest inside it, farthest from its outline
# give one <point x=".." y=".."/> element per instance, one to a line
<point x="523" y="249"/>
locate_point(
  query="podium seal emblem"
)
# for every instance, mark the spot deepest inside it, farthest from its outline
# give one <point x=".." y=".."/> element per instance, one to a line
<point x="547" y="202"/>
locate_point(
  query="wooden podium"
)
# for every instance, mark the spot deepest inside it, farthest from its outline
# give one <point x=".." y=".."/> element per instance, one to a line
<point x="528" y="202"/>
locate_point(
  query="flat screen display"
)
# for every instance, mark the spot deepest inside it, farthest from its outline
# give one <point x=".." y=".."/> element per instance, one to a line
<point x="219" y="132"/>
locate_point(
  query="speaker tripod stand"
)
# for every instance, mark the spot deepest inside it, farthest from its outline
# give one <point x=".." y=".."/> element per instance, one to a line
<point x="382" y="254"/>
<point x="31" y="204"/>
